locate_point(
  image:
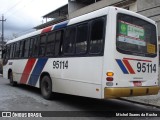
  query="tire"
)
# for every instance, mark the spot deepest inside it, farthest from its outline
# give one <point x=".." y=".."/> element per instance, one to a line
<point x="12" y="83"/>
<point x="46" y="87"/>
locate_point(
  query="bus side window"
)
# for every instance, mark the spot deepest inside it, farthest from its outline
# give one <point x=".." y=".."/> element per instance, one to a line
<point x="21" y="49"/>
<point x="4" y="53"/>
<point x="58" y="42"/>
<point x="81" y="39"/>
<point x="14" y="50"/>
<point x="31" y="46"/>
<point x="26" y="48"/>
<point x="17" y="50"/>
<point x="35" y="47"/>
<point x="42" y="45"/>
<point x="96" y="38"/>
<point x="50" y="44"/>
<point x="11" y="52"/>
<point x="69" y="40"/>
<point x="8" y="52"/>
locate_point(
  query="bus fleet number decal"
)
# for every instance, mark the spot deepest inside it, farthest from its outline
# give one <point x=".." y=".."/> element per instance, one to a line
<point x="60" y="64"/>
<point x="146" y="67"/>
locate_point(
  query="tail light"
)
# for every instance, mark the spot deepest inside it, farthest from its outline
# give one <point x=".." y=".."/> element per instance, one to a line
<point x="109" y="76"/>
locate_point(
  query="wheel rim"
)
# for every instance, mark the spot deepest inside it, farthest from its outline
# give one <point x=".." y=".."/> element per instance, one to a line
<point x="46" y="87"/>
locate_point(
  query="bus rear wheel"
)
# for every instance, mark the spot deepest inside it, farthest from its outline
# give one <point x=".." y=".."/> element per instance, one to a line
<point x="12" y="83"/>
<point x="46" y="87"/>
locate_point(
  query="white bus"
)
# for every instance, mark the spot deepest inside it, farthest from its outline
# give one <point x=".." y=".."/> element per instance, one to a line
<point x="108" y="53"/>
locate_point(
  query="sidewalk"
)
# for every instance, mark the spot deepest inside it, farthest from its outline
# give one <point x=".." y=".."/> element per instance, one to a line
<point x="150" y="100"/>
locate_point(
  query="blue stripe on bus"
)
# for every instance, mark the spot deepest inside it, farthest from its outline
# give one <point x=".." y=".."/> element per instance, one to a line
<point x="37" y="71"/>
<point x="121" y="65"/>
<point x="61" y="25"/>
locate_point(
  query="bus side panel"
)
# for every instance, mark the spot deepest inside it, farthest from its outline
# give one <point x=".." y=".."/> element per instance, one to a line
<point x="77" y="88"/>
<point x="18" y="68"/>
<point x="6" y="69"/>
<point x="77" y="76"/>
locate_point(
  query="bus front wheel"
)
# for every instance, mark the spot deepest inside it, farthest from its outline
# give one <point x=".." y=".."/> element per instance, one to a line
<point x="46" y="87"/>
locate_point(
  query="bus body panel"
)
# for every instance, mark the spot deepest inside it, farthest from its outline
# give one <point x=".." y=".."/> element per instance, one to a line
<point x="87" y="75"/>
<point x="17" y="68"/>
<point x="75" y="79"/>
<point x="77" y="76"/>
<point x="130" y="71"/>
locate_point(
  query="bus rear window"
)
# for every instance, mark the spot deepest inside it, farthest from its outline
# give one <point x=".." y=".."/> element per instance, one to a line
<point x="136" y="36"/>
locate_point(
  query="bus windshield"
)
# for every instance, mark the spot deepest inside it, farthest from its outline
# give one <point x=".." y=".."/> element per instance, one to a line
<point x="136" y="36"/>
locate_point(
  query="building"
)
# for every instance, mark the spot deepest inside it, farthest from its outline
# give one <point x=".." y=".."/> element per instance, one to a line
<point x="58" y="15"/>
<point x="148" y="8"/>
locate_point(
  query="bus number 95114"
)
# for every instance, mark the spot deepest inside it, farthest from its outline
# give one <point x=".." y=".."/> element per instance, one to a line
<point x="146" y="67"/>
<point x="60" y="64"/>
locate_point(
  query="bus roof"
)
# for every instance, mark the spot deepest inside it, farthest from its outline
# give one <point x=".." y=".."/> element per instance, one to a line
<point x="78" y="19"/>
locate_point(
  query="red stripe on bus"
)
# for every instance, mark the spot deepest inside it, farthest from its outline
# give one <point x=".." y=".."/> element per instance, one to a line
<point x="128" y="66"/>
<point x="47" y="29"/>
<point x="137" y="59"/>
<point x="27" y="70"/>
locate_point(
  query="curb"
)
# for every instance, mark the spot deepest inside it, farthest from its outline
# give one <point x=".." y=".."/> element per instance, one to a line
<point x="146" y="104"/>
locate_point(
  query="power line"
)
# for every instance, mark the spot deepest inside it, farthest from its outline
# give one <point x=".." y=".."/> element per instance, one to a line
<point x="12" y="7"/>
<point x="25" y="31"/>
<point x="20" y="8"/>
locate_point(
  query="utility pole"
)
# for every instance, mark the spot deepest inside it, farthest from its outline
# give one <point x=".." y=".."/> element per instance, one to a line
<point x="3" y="20"/>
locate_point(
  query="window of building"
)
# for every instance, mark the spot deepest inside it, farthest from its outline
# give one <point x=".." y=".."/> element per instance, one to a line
<point x="69" y="40"/>
<point x="50" y="44"/>
<point x="42" y="45"/>
<point x="81" y="39"/>
<point x="96" y="38"/>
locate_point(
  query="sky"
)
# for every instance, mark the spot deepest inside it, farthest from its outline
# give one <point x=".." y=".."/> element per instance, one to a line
<point x="23" y="15"/>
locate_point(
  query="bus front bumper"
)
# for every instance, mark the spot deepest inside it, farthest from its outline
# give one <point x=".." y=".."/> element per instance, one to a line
<point x="126" y="92"/>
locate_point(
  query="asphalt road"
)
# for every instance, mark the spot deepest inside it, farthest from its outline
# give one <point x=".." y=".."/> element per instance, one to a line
<point x="26" y="98"/>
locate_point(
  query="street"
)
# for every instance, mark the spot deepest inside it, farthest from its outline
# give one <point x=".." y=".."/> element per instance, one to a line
<point x="26" y="98"/>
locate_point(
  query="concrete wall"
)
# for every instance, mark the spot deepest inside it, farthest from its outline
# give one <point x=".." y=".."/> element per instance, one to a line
<point x="73" y="6"/>
<point x="90" y="8"/>
<point x="158" y="24"/>
<point x="133" y="7"/>
<point x="145" y="4"/>
<point x="150" y="9"/>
